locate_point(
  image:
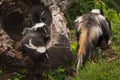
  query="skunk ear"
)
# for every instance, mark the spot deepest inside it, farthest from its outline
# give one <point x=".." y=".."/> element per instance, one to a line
<point x="101" y="12"/>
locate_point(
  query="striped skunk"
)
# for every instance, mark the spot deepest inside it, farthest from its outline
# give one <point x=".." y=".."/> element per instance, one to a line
<point x="34" y="41"/>
<point x="35" y="38"/>
<point x="39" y="14"/>
<point x="91" y="30"/>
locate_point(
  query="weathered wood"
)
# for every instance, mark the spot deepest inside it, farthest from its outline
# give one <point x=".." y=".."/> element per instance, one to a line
<point x="59" y="45"/>
<point x="64" y="5"/>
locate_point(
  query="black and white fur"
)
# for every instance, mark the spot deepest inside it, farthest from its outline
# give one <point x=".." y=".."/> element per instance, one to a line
<point x="92" y="28"/>
<point x="37" y="14"/>
<point x="34" y="41"/>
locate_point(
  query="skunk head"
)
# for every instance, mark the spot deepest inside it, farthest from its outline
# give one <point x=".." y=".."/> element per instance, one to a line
<point x="98" y="11"/>
<point x="41" y="28"/>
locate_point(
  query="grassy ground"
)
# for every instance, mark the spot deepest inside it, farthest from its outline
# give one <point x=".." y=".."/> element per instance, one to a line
<point x="102" y="70"/>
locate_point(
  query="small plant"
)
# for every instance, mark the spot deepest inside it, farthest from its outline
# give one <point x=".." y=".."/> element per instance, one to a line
<point x="58" y="74"/>
<point x="74" y="47"/>
<point x="19" y="76"/>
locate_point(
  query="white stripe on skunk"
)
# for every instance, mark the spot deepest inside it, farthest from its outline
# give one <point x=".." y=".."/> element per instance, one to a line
<point x="38" y="25"/>
<point x="40" y="49"/>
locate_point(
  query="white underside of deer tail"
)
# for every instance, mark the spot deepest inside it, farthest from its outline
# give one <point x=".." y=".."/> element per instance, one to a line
<point x="79" y="62"/>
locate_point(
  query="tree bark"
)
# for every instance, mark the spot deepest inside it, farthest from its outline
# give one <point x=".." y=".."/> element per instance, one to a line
<point x="64" y="5"/>
<point x="59" y="50"/>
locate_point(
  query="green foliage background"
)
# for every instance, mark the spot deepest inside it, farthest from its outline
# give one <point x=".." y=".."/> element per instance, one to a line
<point x="110" y="8"/>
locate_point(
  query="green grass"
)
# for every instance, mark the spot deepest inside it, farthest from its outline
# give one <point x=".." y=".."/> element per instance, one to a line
<point x="101" y="70"/>
<point x="56" y="74"/>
